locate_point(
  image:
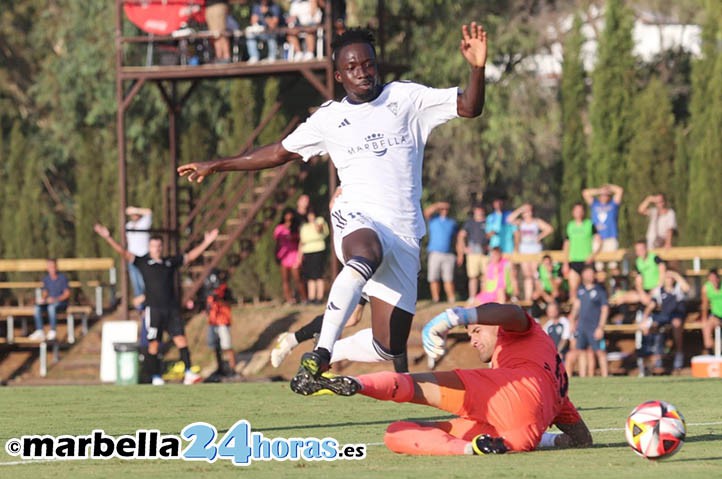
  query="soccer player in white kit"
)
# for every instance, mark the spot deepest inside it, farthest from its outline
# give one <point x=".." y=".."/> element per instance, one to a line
<point x="375" y="137"/>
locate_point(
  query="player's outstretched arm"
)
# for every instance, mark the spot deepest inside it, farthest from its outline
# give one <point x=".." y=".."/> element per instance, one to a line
<point x="508" y="316"/>
<point x="261" y="158"/>
<point x="103" y="232"/>
<point x="474" y="48"/>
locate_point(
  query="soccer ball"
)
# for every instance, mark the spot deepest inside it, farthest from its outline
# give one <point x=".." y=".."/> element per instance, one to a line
<point x="655" y="430"/>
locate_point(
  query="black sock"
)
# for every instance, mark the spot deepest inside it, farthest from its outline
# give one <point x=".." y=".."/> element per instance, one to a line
<point x="309" y="330"/>
<point x="219" y="358"/>
<point x="186" y="357"/>
<point x="151" y="365"/>
<point x="401" y="363"/>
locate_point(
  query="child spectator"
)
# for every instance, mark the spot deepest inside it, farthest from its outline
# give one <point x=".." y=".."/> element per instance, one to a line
<point x="219" y="324"/>
<point x="498" y="276"/>
<point x="548" y="280"/>
<point x="557" y="327"/>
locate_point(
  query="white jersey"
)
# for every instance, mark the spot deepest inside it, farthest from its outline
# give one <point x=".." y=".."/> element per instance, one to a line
<point x="378" y="149"/>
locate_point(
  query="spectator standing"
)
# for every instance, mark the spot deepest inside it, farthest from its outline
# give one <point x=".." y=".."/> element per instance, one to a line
<point x="667" y="310"/>
<point x="53" y="300"/>
<point x="265" y="21"/>
<point x="218" y="307"/>
<point x="473" y="243"/>
<point x="313" y="234"/>
<point x="137" y="236"/>
<point x="303" y="13"/>
<point x="530" y="231"/>
<point x="579" y="246"/>
<point x="162" y="305"/>
<point x="662" y="221"/>
<point x="287" y="239"/>
<point x="499" y="231"/>
<point x="604" y="205"/>
<point x="441" y="259"/>
<point x="216" y="17"/>
<point x="711" y="308"/>
<point x="557" y="327"/>
<point x="588" y="317"/>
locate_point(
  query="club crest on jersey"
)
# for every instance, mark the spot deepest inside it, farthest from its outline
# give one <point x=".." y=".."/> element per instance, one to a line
<point x="378" y="144"/>
<point x="394" y="107"/>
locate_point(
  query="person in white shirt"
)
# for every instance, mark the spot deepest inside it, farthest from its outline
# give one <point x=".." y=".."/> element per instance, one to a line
<point x="137" y="237"/>
<point x="375" y="137"/>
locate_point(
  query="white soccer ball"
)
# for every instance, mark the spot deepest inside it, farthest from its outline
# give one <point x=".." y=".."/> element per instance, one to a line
<point x="655" y="430"/>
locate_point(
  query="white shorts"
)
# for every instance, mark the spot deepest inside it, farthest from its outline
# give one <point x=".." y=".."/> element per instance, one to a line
<point x="219" y="336"/>
<point x="396" y="280"/>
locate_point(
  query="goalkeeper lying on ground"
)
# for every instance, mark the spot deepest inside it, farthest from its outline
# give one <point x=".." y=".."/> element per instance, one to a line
<point x="505" y="408"/>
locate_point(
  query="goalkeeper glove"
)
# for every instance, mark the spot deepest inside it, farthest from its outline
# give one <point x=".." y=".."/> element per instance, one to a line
<point x="433" y="335"/>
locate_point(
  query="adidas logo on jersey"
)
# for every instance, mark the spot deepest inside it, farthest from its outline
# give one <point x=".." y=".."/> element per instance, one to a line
<point x="345" y="122"/>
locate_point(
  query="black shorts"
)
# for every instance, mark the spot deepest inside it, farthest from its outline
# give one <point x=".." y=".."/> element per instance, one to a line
<point x="314" y="265"/>
<point x="158" y="320"/>
<point x="577" y="266"/>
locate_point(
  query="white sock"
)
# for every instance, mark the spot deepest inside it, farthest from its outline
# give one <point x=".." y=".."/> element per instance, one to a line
<point x="291" y="340"/>
<point x="343" y="297"/>
<point x="358" y="347"/>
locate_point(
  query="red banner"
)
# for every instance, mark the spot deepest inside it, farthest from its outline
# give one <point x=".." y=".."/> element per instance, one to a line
<point x="164" y="17"/>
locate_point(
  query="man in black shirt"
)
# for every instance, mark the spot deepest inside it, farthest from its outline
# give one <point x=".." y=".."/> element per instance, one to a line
<point x="162" y="306"/>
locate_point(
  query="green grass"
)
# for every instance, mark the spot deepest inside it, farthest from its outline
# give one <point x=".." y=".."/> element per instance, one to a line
<point x="274" y="410"/>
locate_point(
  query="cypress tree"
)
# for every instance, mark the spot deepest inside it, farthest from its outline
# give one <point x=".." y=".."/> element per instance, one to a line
<point x="705" y="125"/>
<point x="649" y="162"/>
<point x="573" y="106"/>
<point x="612" y="92"/>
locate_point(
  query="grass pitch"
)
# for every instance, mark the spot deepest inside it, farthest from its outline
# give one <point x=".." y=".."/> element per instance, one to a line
<point x="274" y="410"/>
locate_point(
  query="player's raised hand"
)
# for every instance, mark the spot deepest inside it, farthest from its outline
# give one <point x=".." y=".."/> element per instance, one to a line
<point x="195" y="171"/>
<point x="473" y="44"/>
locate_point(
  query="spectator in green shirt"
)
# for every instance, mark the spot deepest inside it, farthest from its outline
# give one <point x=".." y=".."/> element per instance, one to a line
<point x="711" y="308"/>
<point x="650" y="277"/>
<point x="581" y="236"/>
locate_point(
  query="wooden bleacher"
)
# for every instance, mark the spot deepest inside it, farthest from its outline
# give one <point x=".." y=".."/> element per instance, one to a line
<point x="22" y="314"/>
<point x="65" y="265"/>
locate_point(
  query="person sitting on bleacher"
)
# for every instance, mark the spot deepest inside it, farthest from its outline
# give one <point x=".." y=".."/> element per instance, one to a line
<point x="54" y="300"/>
<point x="303" y="13"/>
<point x="711" y="308"/>
<point x="650" y="277"/>
<point x="548" y="282"/>
<point x="558" y="328"/>
<point x="265" y="20"/>
<point x="665" y="310"/>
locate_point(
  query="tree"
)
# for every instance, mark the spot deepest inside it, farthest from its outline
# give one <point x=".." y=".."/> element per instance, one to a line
<point x="613" y="83"/>
<point x="650" y="159"/>
<point x="573" y="105"/>
<point x="705" y="174"/>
